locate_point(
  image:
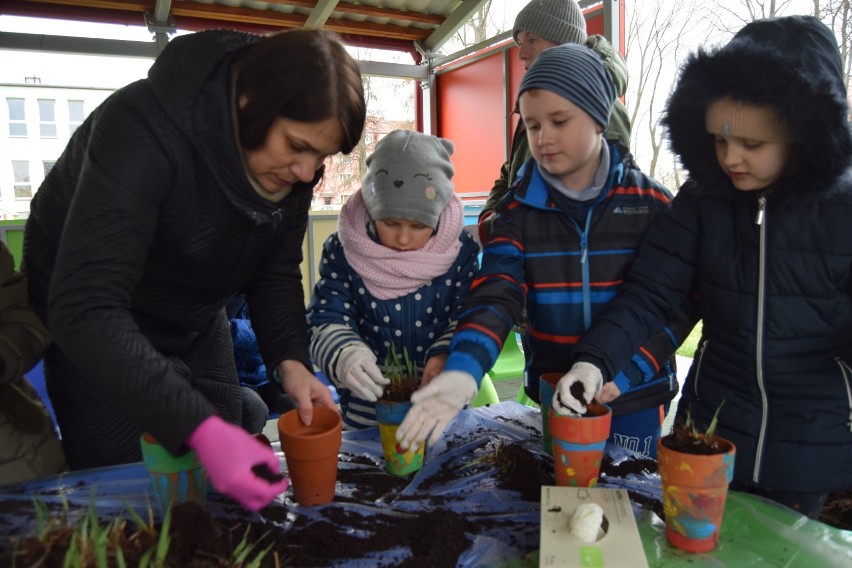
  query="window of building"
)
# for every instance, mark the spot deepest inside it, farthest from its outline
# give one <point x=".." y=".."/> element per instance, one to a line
<point x="368" y="138"/>
<point x="17" y="117"/>
<point x="75" y="115"/>
<point x="47" y="118"/>
<point x="23" y="189"/>
<point x="326" y="200"/>
<point x="48" y="165"/>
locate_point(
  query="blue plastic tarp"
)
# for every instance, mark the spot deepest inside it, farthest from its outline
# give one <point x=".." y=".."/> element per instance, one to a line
<point x="755" y="532"/>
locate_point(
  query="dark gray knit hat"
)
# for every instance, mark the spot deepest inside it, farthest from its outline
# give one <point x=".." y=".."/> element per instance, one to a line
<point x="576" y="73"/>
<point x="409" y="176"/>
<point x="560" y="21"/>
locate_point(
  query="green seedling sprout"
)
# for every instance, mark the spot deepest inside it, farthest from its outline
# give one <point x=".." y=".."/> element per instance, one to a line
<point x="97" y="544"/>
<point x="244" y="548"/>
<point x="712" y="428"/>
<point x="398" y="369"/>
<point x="690" y="422"/>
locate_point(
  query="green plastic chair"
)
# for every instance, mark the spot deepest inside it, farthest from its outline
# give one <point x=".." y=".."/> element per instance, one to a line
<point x="524" y="399"/>
<point x="510" y="363"/>
<point x="487" y="393"/>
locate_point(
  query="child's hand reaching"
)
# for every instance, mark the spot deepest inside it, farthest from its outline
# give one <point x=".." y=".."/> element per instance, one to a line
<point x="608" y="393"/>
<point x="434" y="367"/>
<point x="433" y="406"/>
<point x="577" y="389"/>
<point x="356" y="370"/>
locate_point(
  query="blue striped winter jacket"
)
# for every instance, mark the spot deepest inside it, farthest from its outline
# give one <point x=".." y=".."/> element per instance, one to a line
<point x="567" y="270"/>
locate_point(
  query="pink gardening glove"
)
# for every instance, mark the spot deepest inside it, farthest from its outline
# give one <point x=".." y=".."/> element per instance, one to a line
<point x="230" y="454"/>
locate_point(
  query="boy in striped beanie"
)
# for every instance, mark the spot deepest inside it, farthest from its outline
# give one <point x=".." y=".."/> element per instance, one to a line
<point x="562" y="240"/>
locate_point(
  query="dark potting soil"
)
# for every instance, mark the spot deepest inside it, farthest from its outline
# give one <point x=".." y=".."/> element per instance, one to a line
<point x="343" y="531"/>
<point x="436" y="538"/>
<point x="641" y="467"/>
<point x="837" y="510"/>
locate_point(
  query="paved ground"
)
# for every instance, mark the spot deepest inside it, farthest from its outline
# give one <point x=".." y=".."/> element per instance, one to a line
<point x="683" y="364"/>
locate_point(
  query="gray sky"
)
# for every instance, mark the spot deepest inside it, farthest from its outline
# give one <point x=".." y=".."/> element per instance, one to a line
<point x="72" y="70"/>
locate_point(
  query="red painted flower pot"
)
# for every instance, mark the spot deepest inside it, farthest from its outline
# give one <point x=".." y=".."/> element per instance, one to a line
<point x="546" y="387"/>
<point x="578" y="445"/>
<point x="694" y="490"/>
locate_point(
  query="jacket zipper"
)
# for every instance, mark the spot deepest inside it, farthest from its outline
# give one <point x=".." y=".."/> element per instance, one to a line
<point x="760" y="221"/>
<point x="847" y="372"/>
<point x="701" y="350"/>
<point x="584" y="265"/>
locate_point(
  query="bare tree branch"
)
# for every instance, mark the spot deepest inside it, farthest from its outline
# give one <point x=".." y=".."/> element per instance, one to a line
<point x="656" y="37"/>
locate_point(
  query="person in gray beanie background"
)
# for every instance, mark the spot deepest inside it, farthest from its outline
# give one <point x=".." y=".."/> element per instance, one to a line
<point x="563" y="236"/>
<point x="542" y="24"/>
<point x="395" y="273"/>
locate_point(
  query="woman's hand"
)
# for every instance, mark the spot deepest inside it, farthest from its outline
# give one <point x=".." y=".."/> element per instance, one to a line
<point x="230" y="455"/>
<point x="434" y="366"/>
<point x="305" y="388"/>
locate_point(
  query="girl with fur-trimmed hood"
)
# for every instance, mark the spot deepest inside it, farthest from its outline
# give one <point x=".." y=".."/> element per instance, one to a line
<point x="760" y="235"/>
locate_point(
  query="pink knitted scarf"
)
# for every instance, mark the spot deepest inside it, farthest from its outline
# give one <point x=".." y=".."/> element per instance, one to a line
<point x="388" y="273"/>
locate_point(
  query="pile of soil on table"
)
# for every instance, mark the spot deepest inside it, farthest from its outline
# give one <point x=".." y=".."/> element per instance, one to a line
<point x="199" y="540"/>
<point x="518" y="469"/>
<point x="342" y="531"/>
<point x="436" y="538"/>
<point x="639" y="466"/>
<point x="837" y="510"/>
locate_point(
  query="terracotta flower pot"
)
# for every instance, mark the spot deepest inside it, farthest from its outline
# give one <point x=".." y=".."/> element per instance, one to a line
<point x="694" y="490"/>
<point x="175" y="479"/>
<point x="546" y="387"/>
<point x="311" y="453"/>
<point x="578" y="445"/>
<point x="400" y="462"/>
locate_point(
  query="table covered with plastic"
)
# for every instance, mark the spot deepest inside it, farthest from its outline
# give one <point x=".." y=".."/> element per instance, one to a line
<point x="755" y="531"/>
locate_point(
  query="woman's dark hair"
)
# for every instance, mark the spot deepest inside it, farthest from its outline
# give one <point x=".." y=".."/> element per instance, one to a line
<point x="303" y="75"/>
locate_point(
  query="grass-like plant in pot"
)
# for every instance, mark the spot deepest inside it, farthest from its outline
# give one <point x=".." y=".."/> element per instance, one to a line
<point x="403" y="374"/>
<point x="695" y="468"/>
<point x="391" y="409"/>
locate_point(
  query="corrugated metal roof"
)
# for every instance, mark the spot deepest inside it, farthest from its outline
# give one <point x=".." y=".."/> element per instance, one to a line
<point x="399" y="24"/>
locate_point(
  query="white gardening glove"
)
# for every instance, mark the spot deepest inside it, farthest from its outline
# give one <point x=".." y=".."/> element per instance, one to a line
<point x="356" y="370"/>
<point x="571" y="400"/>
<point x="433" y="406"/>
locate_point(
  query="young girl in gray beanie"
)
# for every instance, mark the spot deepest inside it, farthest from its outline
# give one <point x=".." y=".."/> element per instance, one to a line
<point x="396" y="273"/>
<point x="562" y="239"/>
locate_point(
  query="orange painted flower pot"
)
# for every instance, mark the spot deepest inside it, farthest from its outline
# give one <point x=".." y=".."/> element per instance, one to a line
<point x="311" y="453"/>
<point x="578" y="445"/>
<point x="694" y="491"/>
<point x="546" y="387"/>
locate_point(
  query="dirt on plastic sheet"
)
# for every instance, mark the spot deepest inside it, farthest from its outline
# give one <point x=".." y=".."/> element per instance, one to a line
<point x="436" y="538"/>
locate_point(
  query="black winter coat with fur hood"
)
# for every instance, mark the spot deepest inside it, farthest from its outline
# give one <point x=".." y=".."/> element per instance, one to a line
<point x="771" y="270"/>
<point x="143" y="231"/>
